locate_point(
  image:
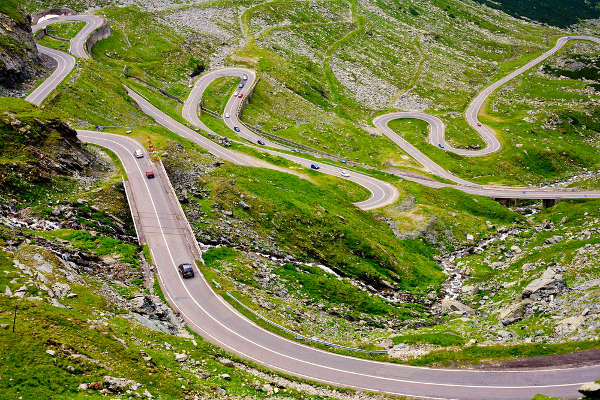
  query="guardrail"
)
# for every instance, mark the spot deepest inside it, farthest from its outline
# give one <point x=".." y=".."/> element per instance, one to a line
<point x="302" y="337"/>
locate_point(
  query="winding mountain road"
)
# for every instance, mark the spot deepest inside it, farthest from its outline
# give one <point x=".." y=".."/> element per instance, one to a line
<point x="66" y="62"/>
<point x="161" y="224"/>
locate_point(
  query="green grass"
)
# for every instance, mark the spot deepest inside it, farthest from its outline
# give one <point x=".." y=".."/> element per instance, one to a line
<point x="218" y="93"/>
<point x="158" y="291"/>
<point x="97" y="245"/>
<point x="437" y="338"/>
<point x="481" y="354"/>
<point x="11" y="8"/>
<point x="41" y="327"/>
<point x="149" y="50"/>
<point x="147" y="254"/>
<point x="65" y="30"/>
<point x="319" y="285"/>
<point x="319" y="222"/>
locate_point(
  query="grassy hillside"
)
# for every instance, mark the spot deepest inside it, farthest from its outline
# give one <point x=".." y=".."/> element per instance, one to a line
<point x="81" y="314"/>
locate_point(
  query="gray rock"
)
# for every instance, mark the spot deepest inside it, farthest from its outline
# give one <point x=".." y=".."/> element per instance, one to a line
<point x="514" y="312"/>
<point x="267" y="388"/>
<point x="226" y="362"/>
<point x="549" y="283"/>
<point x="590" y="390"/>
<point x="82" y="386"/>
<point x="61" y="290"/>
<point x="20" y="292"/>
<point x="568" y="325"/>
<point x="449" y="305"/>
<point x="227" y="377"/>
<point x="468" y="289"/>
<point x="554" y="239"/>
<point x="181" y="357"/>
<point x="119" y="385"/>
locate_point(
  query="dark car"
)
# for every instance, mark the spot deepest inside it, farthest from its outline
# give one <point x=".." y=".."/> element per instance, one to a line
<point x="314" y="166"/>
<point x="186" y="271"/>
<point x="261" y="142"/>
<point x="236" y="128"/>
<point x="441" y="145"/>
<point x="149" y="174"/>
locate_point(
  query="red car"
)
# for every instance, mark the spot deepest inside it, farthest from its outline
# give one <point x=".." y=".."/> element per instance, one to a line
<point x="240" y="95"/>
<point x="479" y="124"/>
<point x="149" y="174"/>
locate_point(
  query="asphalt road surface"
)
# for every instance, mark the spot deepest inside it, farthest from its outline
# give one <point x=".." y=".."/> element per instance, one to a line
<point x="161" y="224"/>
<point x="65" y="61"/>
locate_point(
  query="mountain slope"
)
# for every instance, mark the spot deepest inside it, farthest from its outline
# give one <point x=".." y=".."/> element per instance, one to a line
<point x="554" y="12"/>
<point x="19" y="58"/>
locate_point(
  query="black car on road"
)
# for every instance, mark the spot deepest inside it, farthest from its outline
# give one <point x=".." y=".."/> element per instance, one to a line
<point x="186" y="270"/>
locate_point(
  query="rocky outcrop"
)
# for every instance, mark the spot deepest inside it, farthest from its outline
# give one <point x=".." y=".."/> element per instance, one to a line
<point x="119" y="385"/>
<point x="454" y="306"/>
<point x="42" y="149"/>
<point x="550" y="283"/>
<point x="19" y="57"/>
<point x="514" y="312"/>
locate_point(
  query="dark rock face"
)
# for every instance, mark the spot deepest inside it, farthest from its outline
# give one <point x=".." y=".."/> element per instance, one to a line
<point x="41" y="150"/>
<point x="19" y="57"/>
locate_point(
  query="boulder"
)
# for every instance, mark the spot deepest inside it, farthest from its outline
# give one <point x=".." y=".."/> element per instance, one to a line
<point x="514" y="312"/>
<point x="515" y="249"/>
<point x="449" y="305"/>
<point x="119" y="385"/>
<point x="550" y="283"/>
<point x="554" y="239"/>
<point x="226" y="362"/>
<point x="150" y="306"/>
<point x="568" y="325"/>
<point x="61" y="290"/>
<point x="468" y="289"/>
<point x="181" y="357"/>
<point x="590" y="390"/>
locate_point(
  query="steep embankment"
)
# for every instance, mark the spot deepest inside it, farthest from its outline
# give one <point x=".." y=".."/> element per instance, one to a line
<point x="35" y="149"/>
<point x="19" y="57"/>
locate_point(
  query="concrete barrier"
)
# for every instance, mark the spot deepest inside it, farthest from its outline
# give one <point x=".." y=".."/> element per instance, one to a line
<point x="102" y="32"/>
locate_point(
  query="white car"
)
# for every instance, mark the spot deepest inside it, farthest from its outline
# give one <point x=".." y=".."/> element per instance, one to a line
<point x="344" y="173"/>
<point x="245" y="77"/>
<point x="138" y="154"/>
<point x="236" y="93"/>
<point x="226" y="115"/>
